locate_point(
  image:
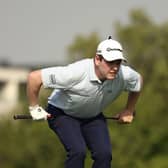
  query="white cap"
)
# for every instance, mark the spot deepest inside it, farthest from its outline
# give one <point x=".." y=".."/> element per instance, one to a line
<point x="110" y="50"/>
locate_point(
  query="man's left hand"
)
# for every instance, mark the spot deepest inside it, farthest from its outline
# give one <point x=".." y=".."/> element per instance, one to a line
<point x="125" y="117"/>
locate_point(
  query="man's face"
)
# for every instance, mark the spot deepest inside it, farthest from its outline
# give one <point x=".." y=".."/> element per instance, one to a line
<point x="106" y="70"/>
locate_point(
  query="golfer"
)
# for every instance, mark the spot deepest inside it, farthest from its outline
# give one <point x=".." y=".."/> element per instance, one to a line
<point x="81" y="91"/>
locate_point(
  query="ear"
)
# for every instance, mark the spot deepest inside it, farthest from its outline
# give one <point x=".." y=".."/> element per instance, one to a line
<point x="97" y="59"/>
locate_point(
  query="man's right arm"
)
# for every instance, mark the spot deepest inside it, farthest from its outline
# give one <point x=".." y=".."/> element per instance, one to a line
<point x="34" y="83"/>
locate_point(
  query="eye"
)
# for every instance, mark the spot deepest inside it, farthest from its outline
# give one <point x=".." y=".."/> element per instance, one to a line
<point x="118" y="63"/>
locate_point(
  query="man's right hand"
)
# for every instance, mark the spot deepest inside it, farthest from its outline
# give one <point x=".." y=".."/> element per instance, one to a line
<point x="38" y="113"/>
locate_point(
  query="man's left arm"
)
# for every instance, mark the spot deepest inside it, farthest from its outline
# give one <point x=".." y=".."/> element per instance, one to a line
<point x="132" y="100"/>
<point x="127" y="115"/>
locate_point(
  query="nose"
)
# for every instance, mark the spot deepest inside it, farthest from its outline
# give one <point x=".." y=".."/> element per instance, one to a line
<point x="114" y="67"/>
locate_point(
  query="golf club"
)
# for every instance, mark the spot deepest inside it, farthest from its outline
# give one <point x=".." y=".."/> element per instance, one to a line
<point x="27" y="116"/>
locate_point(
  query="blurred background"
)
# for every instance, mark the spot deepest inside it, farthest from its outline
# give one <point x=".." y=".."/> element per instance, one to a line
<point x="37" y="33"/>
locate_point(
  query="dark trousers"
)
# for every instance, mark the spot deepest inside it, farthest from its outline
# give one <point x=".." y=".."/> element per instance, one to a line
<point x="78" y="134"/>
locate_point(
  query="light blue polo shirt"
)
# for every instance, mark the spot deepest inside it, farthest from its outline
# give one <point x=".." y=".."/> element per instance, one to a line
<point x="79" y="92"/>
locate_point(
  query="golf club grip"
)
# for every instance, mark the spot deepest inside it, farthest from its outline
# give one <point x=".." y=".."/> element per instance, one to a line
<point x="117" y="118"/>
<point x="112" y="118"/>
<point x="22" y="116"/>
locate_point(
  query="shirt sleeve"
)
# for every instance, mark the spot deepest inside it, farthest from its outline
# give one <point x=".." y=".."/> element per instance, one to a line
<point x="132" y="80"/>
<point x="61" y="77"/>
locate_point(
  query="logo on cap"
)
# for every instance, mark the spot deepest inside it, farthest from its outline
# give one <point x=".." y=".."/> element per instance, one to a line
<point x="113" y="49"/>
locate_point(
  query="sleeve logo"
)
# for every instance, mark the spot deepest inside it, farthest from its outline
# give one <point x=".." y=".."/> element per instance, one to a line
<point x="52" y="79"/>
